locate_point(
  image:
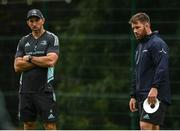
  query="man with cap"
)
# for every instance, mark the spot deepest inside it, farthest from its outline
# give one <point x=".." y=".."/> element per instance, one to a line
<point x="35" y="58"/>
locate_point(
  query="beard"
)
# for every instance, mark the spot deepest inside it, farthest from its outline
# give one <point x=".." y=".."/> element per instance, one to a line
<point x="36" y="29"/>
<point x="141" y="35"/>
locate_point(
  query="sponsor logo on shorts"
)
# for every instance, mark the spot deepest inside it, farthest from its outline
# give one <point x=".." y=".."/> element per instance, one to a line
<point x="51" y="116"/>
<point x="146" y="117"/>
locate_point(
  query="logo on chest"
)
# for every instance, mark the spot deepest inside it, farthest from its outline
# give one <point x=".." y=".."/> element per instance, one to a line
<point x="145" y="51"/>
<point x="36" y="48"/>
<point x="27" y="44"/>
<point x="44" y="43"/>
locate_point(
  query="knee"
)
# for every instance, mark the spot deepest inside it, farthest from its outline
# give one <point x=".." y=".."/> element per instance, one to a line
<point x="146" y="126"/>
<point x="50" y="126"/>
<point x="29" y="125"/>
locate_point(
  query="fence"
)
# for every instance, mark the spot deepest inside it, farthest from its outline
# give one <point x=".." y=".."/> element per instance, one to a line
<point x="94" y="72"/>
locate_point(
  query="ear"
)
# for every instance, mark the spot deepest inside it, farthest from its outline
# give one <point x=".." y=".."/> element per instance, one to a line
<point x="43" y="20"/>
<point x="146" y="25"/>
<point x="27" y="22"/>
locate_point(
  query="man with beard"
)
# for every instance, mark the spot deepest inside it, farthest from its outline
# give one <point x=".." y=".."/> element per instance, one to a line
<point x="36" y="56"/>
<point x="151" y="73"/>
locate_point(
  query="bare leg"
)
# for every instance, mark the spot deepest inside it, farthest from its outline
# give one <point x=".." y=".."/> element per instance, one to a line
<point x="156" y="127"/>
<point x="50" y="126"/>
<point x="29" y="125"/>
<point x="146" y="125"/>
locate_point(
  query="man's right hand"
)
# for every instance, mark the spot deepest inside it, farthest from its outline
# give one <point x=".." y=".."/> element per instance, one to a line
<point x="21" y="64"/>
<point x="132" y="105"/>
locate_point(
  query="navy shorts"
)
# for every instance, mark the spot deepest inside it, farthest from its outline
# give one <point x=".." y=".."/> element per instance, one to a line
<point x="156" y="118"/>
<point x="33" y="104"/>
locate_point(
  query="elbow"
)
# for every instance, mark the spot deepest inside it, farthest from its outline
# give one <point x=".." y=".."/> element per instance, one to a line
<point x="51" y="64"/>
<point x="16" y="69"/>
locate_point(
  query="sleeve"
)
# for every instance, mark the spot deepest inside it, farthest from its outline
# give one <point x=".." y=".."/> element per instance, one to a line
<point x="159" y="51"/>
<point x="133" y="80"/>
<point x="20" y="49"/>
<point x="53" y="45"/>
<point x="133" y="85"/>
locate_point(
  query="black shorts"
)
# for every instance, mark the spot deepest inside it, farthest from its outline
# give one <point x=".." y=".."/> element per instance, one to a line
<point x="156" y="118"/>
<point x="33" y="104"/>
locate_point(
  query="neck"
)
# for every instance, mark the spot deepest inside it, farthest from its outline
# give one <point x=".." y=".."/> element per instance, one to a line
<point x="149" y="32"/>
<point x="38" y="33"/>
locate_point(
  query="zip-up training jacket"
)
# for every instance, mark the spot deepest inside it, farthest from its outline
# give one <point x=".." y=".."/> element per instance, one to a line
<point x="151" y="68"/>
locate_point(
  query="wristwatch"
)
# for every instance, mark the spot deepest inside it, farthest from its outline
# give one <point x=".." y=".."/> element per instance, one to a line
<point x="29" y="58"/>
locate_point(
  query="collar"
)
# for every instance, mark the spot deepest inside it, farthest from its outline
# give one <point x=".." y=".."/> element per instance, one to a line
<point x="147" y="37"/>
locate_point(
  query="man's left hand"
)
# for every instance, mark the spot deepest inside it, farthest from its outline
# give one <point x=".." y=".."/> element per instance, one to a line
<point x="152" y="95"/>
<point x="26" y="58"/>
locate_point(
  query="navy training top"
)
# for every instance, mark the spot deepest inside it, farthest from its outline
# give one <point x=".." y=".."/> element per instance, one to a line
<point x="151" y="68"/>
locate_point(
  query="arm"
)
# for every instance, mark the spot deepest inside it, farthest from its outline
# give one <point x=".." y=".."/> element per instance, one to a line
<point x="45" y="61"/>
<point x="134" y="72"/>
<point x="132" y="105"/>
<point x="132" y="102"/>
<point x="160" y="59"/>
<point x="52" y="54"/>
<point x="133" y="86"/>
<point x="21" y="65"/>
<point x="51" y="57"/>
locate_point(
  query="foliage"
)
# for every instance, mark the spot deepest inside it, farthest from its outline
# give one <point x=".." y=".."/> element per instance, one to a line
<point x="92" y="70"/>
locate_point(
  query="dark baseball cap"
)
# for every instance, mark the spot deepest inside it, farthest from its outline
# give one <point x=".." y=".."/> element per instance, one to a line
<point x="35" y="13"/>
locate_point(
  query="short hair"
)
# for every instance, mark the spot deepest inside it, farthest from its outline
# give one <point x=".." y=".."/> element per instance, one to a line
<point x="142" y="17"/>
